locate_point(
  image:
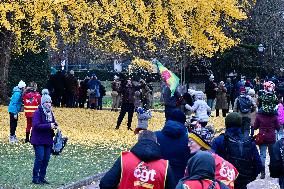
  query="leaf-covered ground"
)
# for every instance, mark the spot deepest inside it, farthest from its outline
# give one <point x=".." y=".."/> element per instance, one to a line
<point x="93" y="146"/>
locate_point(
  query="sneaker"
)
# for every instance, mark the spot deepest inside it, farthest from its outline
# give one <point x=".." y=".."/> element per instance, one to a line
<point x="16" y="139"/>
<point x="13" y="139"/>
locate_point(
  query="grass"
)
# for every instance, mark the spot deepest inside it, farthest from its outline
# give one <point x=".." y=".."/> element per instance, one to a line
<point x="92" y="147"/>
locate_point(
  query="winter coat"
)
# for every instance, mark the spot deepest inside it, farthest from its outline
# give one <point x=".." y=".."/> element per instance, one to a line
<point x="16" y="101"/>
<point x="145" y="150"/>
<point x="200" y="167"/>
<point x="71" y="83"/>
<point x="201" y="110"/>
<point x="94" y="86"/>
<point x="143" y="119"/>
<point x="173" y="141"/>
<point x="221" y="98"/>
<point x="219" y="148"/>
<point x="42" y="134"/>
<point x="59" y="83"/>
<point x="236" y="107"/>
<point x="128" y="94"/>
<point x="267" y="124"/>
<point x="210" y="90"/>
<point x="280" y="113"/>
<point x="170" y="101"/>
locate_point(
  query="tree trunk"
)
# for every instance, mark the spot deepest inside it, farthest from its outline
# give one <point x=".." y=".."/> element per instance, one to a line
<point x="5" y="56"/>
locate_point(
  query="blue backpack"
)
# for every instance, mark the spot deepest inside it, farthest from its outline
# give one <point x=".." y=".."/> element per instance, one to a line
<point x="245" y="105"/>
<point x="59" y="143"/>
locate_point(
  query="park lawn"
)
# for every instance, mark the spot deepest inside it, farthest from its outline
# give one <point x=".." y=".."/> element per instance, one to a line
<point x="92" y="147"/>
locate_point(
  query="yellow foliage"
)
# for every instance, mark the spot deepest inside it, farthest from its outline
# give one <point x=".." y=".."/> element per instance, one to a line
<point x="144" y="64"/>
<point x="89" y="127"/>
<point x="197" y="23"/>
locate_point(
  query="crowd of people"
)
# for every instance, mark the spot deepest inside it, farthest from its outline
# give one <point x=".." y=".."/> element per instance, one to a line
<point x="184" y="153"/>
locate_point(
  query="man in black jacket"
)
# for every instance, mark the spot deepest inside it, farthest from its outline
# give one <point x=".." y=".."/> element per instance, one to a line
<point x="143" y="165"/>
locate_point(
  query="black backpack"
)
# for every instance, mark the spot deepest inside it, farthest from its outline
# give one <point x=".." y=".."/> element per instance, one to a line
<point x="245" y="105"/>
<point x="239" y="152"/>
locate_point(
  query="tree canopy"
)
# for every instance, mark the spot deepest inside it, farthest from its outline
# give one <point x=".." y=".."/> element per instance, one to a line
<point x="204" y="26"/>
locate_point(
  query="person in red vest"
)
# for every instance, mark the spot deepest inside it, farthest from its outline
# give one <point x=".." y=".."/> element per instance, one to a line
<point x="31" y="100"/>
<point x="201" y="173"/>
<point x="140" y="168"/>
<point x="224" y="170"/>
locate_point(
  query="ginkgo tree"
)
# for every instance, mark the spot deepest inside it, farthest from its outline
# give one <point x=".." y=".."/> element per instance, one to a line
<point x="110" y="24"/>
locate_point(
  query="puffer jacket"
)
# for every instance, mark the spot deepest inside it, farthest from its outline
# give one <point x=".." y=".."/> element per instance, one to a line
<point x="16" y="101"/>
<point x="201" y="110"/>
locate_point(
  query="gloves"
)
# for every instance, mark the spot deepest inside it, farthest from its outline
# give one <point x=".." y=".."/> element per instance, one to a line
<point x="187" y="107"/>
<point x="15" y="116"/>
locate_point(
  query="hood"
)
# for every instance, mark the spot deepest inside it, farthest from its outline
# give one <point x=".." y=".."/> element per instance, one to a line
<point x="201" y="166"/>
<point x="16" y="89"/>
<point x="234" y="132"/>
<point x="147" y="150"/>
<point x="174" y="129"/>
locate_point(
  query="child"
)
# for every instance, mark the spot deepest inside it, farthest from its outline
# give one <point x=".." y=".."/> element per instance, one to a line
<point x="143" y="117"/>
<point x="200" y="107"/>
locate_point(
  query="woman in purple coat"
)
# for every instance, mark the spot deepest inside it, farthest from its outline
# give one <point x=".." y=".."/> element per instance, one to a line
<point x="42" y="137"/>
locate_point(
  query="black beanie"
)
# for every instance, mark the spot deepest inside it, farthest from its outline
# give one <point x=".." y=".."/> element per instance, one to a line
<point x="177" y="115"/>
<point x="233" y="120"/>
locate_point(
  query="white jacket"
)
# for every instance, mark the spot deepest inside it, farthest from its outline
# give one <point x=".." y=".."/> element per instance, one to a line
<point x="201" y="110"/>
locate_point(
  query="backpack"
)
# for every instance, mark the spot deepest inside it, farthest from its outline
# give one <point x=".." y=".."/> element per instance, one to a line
<point x="59" y="143"/>
<point x="239" y="153"/>
<point x="245" y="105"/>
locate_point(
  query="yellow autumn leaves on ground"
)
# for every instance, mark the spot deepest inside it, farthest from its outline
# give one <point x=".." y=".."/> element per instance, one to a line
<point x="89" y="127"/>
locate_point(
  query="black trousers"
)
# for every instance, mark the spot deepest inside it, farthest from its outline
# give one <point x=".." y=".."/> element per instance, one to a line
<point x="224" y="112"/>
<point x="13" y="124"/>
<point x="129" y="108"/>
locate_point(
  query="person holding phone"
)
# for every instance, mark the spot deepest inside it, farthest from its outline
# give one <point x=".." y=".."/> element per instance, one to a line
<point x="42" y="137"/>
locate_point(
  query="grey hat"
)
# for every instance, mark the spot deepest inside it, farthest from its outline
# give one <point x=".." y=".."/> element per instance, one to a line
<point x="45" y="96"/>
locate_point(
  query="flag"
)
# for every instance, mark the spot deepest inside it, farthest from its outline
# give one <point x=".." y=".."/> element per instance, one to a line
<point x="169" y="77"/>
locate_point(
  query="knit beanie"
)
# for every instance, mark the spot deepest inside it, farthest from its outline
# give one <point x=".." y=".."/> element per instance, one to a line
<point x="233" y="120"/>
<point x="21" y="84"/>
<point x="45" y="96"/>
<point x="177" y="115"/>
<point x="199" y="140"/>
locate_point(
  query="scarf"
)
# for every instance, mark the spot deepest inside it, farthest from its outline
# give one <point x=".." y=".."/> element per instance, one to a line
<point x="48" y="113"/>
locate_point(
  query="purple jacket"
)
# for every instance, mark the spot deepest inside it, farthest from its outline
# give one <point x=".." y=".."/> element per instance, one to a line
<point x="267" y="125"/>
<point x="41" y="131"/>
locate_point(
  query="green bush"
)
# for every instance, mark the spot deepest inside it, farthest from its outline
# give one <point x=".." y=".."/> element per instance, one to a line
<point x="29" y="67"/>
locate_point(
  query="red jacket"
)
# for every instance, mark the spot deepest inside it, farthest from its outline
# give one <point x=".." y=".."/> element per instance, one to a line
<point x="31" y="102"/>
<point x="196" y="184"/>
<point x="137" y="174"/>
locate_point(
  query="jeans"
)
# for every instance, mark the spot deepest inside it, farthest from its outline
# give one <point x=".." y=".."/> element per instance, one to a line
<point x="42" y="156"/>
<point x="246" y="126"/>
<point x="126" y="107"/>
<point x="13" y="124"/>
<point x="210" y="103"/>
<point x="281" y="182"/>
<point x="262" y="152"/>
<point x="279" y="134"/>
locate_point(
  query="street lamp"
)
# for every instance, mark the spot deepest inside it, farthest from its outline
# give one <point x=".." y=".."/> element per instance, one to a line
<point x="261" y="49"/>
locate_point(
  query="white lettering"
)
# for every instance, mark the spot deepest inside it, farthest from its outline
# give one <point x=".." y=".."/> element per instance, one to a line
<point x="143" y="174"/>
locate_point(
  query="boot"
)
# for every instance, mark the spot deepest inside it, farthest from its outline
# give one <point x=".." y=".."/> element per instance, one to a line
<point x="262" y="174"/>
<point x="27" y="137"/>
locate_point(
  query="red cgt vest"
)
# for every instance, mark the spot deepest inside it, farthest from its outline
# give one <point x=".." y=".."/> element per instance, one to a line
<point x="136" y="174"/>
<point x="195" y="184"/>
<point x="31" y="102"/>
<point x="225" y="171"/>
